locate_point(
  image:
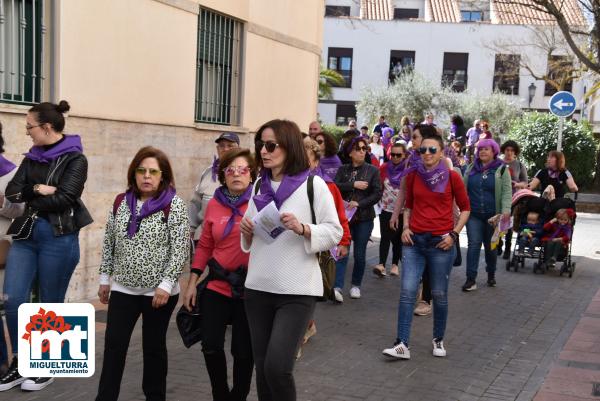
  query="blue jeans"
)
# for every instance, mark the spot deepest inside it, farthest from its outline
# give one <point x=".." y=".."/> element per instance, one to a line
<point x="361" y="232"/>
<point x="52" y="259"/>
<point x="3" y="350"/>
<point x="414" y="258"/>
<point x="480" y="231"/>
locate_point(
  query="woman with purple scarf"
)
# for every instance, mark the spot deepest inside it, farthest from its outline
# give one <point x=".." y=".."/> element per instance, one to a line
<point x="391" y="174"/>
<point x="222" y="300"/>
<point x="49" y="182"/>
<point x="488" y="184"/>
<point x="284" y="278"/>
<point x="146" y="244"/>
<point x="329" y="162"/>
<point x="429" y="235"/>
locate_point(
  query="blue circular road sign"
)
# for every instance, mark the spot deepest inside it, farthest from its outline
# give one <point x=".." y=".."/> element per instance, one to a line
<point x="562" y="104"/>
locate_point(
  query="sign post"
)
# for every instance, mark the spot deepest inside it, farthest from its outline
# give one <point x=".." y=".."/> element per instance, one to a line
<point x="562" y="104"/>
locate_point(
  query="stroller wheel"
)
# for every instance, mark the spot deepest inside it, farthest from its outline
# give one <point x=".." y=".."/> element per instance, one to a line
<point x="535" y="267"/>
<point x="517" y="265"/>
<point x="571" y="270"/>
<point x="508" y="264"/>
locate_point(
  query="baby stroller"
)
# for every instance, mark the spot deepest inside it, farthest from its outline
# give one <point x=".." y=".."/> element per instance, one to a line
<point x="567" y="266"/>
<point x="523" y="202"/>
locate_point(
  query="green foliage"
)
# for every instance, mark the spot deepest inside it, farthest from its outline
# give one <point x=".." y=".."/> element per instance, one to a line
<point x="327" y="79"/>
<point x="335" y="131"/>
<point x="413" y="95"/>
<point x="537" y="134"/>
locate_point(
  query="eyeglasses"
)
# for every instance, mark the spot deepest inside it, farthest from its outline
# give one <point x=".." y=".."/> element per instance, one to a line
<point x="270" y="146"/>
<point x="432" y="149"/>
<point x="361" y="148"/>
<point x="241" y="170"/>
<point x="320" y="141"/>
<point x="28" y="127"/>
<point x="400" y="155"/>
<point x="152" y="171"/>
<point x="414" y="136"/>
<point x="352" y="126"/>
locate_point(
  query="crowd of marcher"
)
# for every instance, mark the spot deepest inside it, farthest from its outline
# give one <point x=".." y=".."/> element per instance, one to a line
<point x="254" y="272"/>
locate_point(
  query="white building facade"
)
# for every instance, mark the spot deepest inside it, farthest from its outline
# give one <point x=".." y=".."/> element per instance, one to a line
<point x="369" y="41"/>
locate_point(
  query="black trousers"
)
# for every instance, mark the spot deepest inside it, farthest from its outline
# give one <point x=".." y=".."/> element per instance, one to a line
<point x="218" y="311"/>
<point x="123" y="313"/>
<point x="277" y="324"/>
<point x="389" y="236"/>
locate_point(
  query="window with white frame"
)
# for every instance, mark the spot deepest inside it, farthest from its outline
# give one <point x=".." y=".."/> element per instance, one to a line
<point x="218" y="69"/>
<point x="22" y="34"/>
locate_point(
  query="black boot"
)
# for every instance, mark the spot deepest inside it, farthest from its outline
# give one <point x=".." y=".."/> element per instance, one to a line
<point x="491" y="281"/>
<point x="216" y="365"/>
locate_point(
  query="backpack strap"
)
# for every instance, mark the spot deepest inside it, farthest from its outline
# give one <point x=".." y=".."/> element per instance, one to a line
<point x="502" y="170"/>
<point x="311" y="195"/>
<point x="257" y="187"/>
<point x="118" y="199"/>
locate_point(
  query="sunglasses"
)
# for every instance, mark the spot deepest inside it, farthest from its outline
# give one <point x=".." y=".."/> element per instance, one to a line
<point x="152" y="171"/>
<point x="270" y="146"/>
<point x="400" y="155"/>
<point x="361" y="148"/>
<point x="320" y="141"/>
<point x="432" y="149"/>
<point x="415" y="136"/>
<point x="241" y="170"/>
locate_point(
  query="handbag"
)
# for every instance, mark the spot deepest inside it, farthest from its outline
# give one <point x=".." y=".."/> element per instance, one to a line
<point x="326" y="260"/>
<point x="189" y="323"/>
<point x="22" y="226"/>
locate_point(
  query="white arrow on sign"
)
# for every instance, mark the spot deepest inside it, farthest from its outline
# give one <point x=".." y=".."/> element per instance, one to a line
<point x="560" y="104"/>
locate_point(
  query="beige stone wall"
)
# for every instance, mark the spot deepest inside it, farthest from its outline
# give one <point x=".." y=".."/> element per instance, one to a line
<point x="109" y="146"/>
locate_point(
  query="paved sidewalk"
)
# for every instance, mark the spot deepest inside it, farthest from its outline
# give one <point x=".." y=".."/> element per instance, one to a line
<point x="501" y="342"/>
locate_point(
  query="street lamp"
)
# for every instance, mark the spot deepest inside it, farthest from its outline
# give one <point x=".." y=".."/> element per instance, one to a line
<point x="532" y="88"/>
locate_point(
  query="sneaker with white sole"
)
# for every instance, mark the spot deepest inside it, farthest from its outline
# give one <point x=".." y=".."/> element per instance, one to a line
<point x="398" y="351"/>
<point x="469" y="285"/>
<point x="11" y="378"/>
<point x="438" y="348"/>
<point x="36" y="383"/>
<point x="423" y="308"/>
<point x="354" y="292"/>
<point x="339" y="298"/>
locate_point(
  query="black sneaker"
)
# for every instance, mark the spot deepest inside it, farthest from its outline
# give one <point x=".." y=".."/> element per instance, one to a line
<point x="12" y="377"/>
<point x="36" y="383"/>
<point x="469" y="285"/>
<point x="491" y="282"/>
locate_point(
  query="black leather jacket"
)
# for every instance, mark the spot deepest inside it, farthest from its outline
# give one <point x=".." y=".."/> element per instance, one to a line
<point x="64" y="209"/>
<point x="344" y="179"/>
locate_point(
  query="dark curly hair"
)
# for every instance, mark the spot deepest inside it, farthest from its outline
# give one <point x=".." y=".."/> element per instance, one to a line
<point x="511" y="144"/>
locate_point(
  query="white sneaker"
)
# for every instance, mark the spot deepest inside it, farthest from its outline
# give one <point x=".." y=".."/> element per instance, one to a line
<point x="398" y="351"/>
<point x="354" y="292"/>
<point x="438" y="348"/>
<point x="339" y="298"/>
<point x="36" y="383"/>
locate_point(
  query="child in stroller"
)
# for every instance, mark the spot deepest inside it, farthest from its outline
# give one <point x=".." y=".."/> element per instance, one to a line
<point x="528" y="211"/>
<point x="557" y="236"/>
<point x="530" y="234"/>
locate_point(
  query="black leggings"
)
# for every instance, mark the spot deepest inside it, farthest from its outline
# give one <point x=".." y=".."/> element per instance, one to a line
<point x="123" y="312"/>
<point x="277" y="324"/>
<point x="389" y="236"/>
<point x="218" y="311"/>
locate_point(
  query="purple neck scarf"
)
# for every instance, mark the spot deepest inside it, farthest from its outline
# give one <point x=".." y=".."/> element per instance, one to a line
<point x="318" y="171"/>
<point x="330" y="165"/>
<point x="287" y="187"/>
<point x="235" y="207"/>
<point x="436" y="179"/>
<point x="71" y="143"/>
<point x="561" y="230"/>
<point x="149" y="207"/>
<point x="6" y="166"/>
<point x="553" y="173"/>
<point x="479" y="167"/>
<point x="215" y="169"/>
<point x="395" y="172"/>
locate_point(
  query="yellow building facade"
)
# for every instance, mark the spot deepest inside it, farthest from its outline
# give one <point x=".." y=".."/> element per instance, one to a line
<point x="167" y="73"/>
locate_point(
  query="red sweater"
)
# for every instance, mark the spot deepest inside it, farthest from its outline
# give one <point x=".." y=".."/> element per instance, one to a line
<point x="227" y="251"/>
<point x="431" y="212"/>
<point x="550" y="228"/>
<point x="339" y="207"/>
